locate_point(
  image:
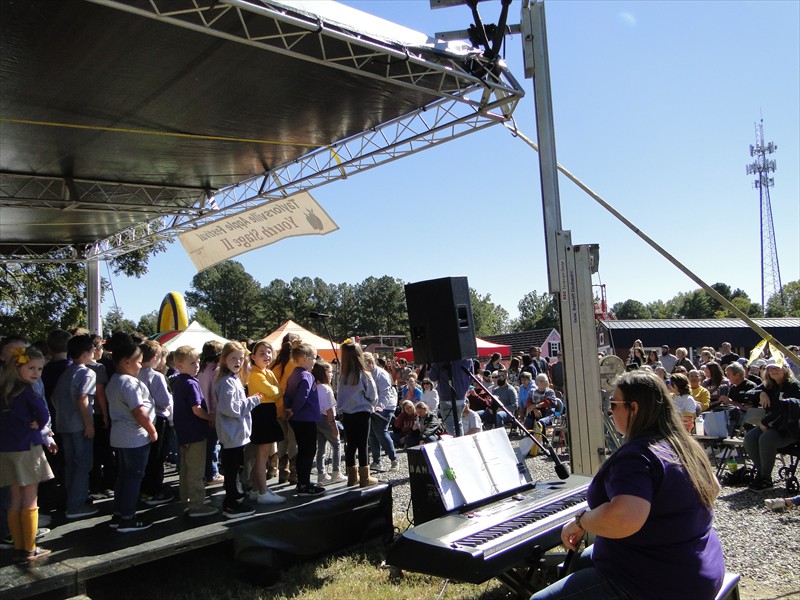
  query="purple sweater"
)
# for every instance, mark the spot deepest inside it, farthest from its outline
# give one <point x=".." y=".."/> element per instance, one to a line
<point x="301" y="396"/>
<point x="16" y="434"/>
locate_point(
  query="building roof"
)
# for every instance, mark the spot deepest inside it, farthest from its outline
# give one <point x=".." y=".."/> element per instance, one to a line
<point x="692" y="333"/>
<point x="521" y="341"/>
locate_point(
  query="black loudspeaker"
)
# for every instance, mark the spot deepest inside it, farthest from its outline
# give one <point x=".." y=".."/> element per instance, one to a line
<point x="440" y="316"/>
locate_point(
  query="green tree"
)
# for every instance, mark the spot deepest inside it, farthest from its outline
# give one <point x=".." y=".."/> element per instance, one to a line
<point x="536" y="311"/>
<point x="382" y="306"/>
<point x="202" y="316"/>
<point x="489" y="318"/>
<point x="115" y="322"/>
<point x="37" y="298"/>
<point x="275" y="302"/>
<point x="790" y="307"/>
<point x="631" y="309"/>
<point x="148" y="324"/>
<point x="232" y="298"/>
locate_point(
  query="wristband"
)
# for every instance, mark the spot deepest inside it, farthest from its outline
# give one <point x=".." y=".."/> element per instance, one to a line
<point x="578" y="519"/>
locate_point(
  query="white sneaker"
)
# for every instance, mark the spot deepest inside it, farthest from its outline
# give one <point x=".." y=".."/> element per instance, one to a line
<point x="395" y="464"/>
<point x="337" y="476"/>
<point x="323" y="477"/>
<point x="270" y="497"/>
<point x="376" y="466"/>
<point x="775" y="504"/>
<point x="252" y="495"/>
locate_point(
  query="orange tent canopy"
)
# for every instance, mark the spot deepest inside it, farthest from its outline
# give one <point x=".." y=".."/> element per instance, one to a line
<point x="322" y="345"/>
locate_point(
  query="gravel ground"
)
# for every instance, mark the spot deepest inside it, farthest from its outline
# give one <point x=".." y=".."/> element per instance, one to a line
<point x="761" y="545"/>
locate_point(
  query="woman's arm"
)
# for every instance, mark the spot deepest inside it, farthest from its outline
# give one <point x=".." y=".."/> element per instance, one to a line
<point x="619" y="518"/>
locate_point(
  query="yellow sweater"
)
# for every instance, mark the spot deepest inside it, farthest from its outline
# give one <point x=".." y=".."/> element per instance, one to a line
<point x="265" y="383"/>
<point x="282" y="385"/>
<point x="701" y="395"/>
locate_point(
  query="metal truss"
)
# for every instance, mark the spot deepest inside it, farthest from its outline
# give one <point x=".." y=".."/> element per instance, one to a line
<point x="36" y="191"/>
<point x="473" y="94"/>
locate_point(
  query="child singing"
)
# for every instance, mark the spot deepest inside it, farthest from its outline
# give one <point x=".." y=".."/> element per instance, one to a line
<point x="234" y="425"/>
<point x="301" y="406"/>
<point x="23" y="420"/>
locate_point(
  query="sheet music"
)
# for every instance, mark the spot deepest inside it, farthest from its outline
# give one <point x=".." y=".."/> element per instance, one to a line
<point x="473" y="467"/>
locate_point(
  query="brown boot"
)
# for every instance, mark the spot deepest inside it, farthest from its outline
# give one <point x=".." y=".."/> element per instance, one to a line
<point x="272" y="466"/>
<point x="364" y="479"/>
<point x="352" y="476"/>
<point x="283" y="469"/>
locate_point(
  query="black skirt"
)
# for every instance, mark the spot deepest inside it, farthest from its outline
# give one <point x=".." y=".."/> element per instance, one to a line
<point x="266" y="429"/>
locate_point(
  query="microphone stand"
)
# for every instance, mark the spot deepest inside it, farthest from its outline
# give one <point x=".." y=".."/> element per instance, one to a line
<point x="328" y="333"/>
<point x="448" y="370"/>
<point x="547" y="448"/>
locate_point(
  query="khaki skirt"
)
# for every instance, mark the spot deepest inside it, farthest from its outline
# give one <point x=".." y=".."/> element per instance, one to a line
<point x="24" y="468"/>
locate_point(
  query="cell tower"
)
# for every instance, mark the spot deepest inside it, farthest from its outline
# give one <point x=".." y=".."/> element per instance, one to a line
<point x="761" y="167"/>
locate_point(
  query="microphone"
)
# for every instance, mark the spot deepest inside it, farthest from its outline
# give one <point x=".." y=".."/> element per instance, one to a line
<point x="319" y="315"/>
<point x="561" y="468"/>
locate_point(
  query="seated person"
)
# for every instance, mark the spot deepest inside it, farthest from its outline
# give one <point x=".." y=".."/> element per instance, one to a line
<point x="650" y="509"/>
<point x="763" y="442"/>
<point x="411" y="391"/>
<point x="526" y="386"/>
<point x="699" y="393"/>
<point x="427" y="427"/>
<point x="738" y="400"/>
<point x="541" y="404"/>
<point x="471" y="420"/>
<point x="507" y="396"/>
<point x="481" y="403"/>
<point x="403" y="423"/>
<point x="685" y="405"/>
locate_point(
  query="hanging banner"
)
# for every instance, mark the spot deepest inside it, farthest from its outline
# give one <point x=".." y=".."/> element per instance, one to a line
<point x="258" y="227"/>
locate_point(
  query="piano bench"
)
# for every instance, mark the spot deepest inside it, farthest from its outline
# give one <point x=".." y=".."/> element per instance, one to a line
<point x="730" y="588"/>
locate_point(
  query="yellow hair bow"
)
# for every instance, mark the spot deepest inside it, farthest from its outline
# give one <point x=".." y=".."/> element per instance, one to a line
<point x="347" y="341"/>
<point x="20" y="356"/>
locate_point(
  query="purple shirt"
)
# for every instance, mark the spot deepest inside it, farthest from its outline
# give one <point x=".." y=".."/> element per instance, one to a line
<point x="16" y="434"/>
<point x="186" y="394"/>
<point x="676" y="553"/>
<point x="301" y="396"/>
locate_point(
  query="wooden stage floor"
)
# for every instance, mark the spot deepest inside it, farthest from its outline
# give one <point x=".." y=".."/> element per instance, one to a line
<point x="89" y="548"/>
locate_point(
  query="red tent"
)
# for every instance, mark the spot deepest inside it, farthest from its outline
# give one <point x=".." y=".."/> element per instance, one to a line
<point x="484" y="349"/>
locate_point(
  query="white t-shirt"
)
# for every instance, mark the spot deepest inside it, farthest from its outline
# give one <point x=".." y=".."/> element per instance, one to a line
<point x="685" y="405"/>
<point x="473" y="421"/>
<point x="326" y="398"/>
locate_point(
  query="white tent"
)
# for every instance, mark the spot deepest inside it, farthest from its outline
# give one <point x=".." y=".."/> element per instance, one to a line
<point x="195" y="335"/>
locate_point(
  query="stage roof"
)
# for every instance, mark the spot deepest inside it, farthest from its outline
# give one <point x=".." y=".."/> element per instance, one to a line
<point x="125" y="122"/>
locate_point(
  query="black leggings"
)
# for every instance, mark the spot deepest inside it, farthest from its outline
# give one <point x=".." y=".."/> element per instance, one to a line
<point x="305" y="432"/>
<point x="232" y="463"/>
<point x="356" y="428"/>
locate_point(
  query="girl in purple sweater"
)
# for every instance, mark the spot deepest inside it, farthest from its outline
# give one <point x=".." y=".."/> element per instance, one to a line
<point x="23" y="430"/>
<point x="301" y="406"/>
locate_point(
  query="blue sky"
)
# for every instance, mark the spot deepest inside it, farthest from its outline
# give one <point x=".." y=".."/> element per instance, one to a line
<point x="655" y="105"/>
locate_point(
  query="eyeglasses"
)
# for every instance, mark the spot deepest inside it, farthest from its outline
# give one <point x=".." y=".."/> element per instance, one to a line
<point x="612" y="403"/>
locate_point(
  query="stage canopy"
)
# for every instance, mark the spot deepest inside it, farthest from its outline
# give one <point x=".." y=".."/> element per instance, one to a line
<point x="126" y="122"/>
<point x="484" y="349"/>
<point x="325" y="347"/>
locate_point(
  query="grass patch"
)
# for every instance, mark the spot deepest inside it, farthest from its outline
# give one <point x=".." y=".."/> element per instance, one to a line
<point x="212" y="574"/>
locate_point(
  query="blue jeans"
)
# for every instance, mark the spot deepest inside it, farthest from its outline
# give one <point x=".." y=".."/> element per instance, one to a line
<point x="324" y="437"/>
<point x="78" y="460"/>
<point x="448" y="419"/>
<point x="131" y="463"/>
<point x="585" y="582"/>
<point x="379" y="435"/>
<point x="212" y="456"/>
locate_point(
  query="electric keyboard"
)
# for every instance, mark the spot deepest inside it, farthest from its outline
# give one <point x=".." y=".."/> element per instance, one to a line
<point x="480" y="542"/>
